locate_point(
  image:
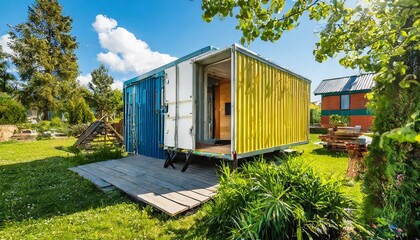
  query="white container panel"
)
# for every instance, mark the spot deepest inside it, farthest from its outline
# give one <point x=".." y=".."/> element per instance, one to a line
<point x="170" y="84"/>
<point x="185" y="119"/>
<point x="185" y="78"/>
<point x="170" y="101"/>
<point x="171" y="110"/>
<point x="184" y="109"/>
<point x="169" y="137"/>
<point x="185" y="133"/>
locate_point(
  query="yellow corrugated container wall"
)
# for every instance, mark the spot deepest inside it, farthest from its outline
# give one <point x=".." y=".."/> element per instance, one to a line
<point x="272" y="106"/>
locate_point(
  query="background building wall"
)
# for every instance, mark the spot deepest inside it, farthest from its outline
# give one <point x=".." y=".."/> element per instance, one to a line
<point x="358" y="102"/>
<point x="330" y="103"/>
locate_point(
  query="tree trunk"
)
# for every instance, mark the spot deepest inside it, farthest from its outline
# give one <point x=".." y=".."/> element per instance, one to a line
<point x="45" y="114"/>
<point x="4" y="85"/>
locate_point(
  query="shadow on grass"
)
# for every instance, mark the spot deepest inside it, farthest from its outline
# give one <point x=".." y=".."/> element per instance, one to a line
<point x="45" y="188"/>
<point x="198" y="230"/>
<point x="326" y="152"/>
<point x="64" y="149"/>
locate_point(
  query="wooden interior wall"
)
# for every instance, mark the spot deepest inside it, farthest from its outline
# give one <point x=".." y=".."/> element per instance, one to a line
<point x="216" y="112"/>
<point x="222" y="121"/>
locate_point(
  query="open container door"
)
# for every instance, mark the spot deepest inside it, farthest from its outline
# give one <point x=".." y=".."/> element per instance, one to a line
<point x="170" y="102"/>
<point x="179" y="121"/>
<point x="185" y="121"/>
<point x="213" y="104"/>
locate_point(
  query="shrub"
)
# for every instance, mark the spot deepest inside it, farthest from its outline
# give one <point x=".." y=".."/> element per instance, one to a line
<point x="79" y="112"/>
<point x="267" y="201"/>
<point x="43" y="126"/>
<point x="337" y="120"/>
<point x="42" y="137"/>
<point x="399" y="212"/>
<point x="60" y="126"/>
<point x="315" y="116"/>
<point x="11" y="112"/>
<point x="56" y="122"/>
<point x="78" y="129"/>
<point x="101" y="154"/>
<point x="106" y="153"/>
<point x="319" y="130"/>
<point x="26" y="125"/>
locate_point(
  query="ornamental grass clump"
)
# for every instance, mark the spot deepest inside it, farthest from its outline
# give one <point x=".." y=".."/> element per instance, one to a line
<point x="268" y="201"/>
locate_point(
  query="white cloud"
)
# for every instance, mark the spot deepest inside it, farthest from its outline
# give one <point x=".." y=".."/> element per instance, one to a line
<point x="104" y="24"/>
<point x="84" y="79"/>
<point x="125" y="53"/>
<point x="3" y="42"/>
<point x="117" y="85"/>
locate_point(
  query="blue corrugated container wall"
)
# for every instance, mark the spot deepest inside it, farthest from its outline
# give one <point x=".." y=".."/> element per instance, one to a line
<point x="128" y="116"/>
<point x="146" y="134"/>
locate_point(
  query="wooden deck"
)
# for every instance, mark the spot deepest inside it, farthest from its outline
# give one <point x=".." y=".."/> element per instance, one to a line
<point x="145" y="179"/>
<point x="224" y="149"/>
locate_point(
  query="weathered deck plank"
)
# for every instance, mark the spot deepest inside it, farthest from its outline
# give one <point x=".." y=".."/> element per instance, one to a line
<point x="164" y="192"/>
<point x="95" y="180"/>
<point x="196" y="176"/>
<point x="170" y="207"/>
<point x="145" y="179"/>
<point x="189" y="181"/>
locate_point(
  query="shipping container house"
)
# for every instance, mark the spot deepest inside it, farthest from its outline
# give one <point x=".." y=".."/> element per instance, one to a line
<point x="228" y="103"/>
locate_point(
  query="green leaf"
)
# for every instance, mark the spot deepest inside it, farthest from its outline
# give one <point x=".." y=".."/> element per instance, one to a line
<point x="415" y="115"/>
<point x="417" y="138"/>
<point x="299" y="231"/>
<point x="404" y="84"/>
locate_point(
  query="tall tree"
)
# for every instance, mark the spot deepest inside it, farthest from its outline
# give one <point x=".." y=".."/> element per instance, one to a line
<point x="117" y="102"/>
<point x="375" y="36"/>
<point x="44" y="56"/>
<point x="5" y="77"/>
<point x="103" y="95"/>
<point x="77" y="108"/>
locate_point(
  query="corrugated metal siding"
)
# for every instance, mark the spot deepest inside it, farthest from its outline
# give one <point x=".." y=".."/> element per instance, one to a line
<point x="346" y="84"/>
<point x="272" y="106"/>
<point x="128" y="119"/>
<point x="148" y="118"/>
<point x="171" y="64"/>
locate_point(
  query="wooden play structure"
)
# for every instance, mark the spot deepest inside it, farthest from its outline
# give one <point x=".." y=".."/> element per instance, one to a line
<point x="99" y="133"/>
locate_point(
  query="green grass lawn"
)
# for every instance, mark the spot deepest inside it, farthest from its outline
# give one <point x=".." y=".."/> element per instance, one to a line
<point x="41" y="198"/>
<point x="330" y="163"/>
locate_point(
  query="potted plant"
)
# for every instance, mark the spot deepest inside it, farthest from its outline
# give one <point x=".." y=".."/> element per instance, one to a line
<point x="337" y="120"/>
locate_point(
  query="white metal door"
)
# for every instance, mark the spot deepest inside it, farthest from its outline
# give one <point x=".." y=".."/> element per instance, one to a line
<point x="185" y="123"/>
<point x="170" y="101"/>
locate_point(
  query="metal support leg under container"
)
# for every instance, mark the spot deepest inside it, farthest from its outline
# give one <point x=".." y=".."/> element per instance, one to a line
<point x="170" y="157"/>
<point x="189" y="158"/>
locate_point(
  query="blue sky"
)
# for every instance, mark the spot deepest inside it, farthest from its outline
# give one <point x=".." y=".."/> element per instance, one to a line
<point x="133" y="36"/>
